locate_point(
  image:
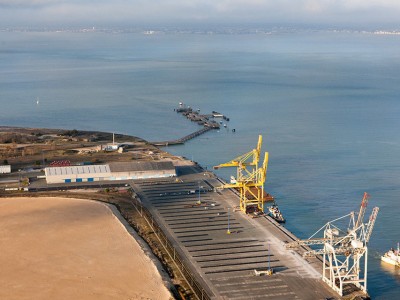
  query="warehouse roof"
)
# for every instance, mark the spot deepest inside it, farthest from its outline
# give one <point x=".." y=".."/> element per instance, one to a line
<point x="141" y="166"/>
<point x="73" y="170"/>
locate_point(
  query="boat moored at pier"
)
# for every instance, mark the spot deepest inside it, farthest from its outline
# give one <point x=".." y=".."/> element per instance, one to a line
<point x="392" y="257"/>
<point x="276" y="214"/>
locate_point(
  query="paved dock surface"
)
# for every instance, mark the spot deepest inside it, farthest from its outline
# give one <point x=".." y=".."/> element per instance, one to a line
<point x="224" y="263"/>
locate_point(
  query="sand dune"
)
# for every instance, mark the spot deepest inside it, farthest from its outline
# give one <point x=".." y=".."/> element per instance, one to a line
<point x="57" y="248"/>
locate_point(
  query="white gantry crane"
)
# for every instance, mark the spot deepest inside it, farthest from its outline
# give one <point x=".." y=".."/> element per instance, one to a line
<point x="343" y="251"/>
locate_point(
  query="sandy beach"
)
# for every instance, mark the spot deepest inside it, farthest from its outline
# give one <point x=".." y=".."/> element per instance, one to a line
<point x="59" y="248"/>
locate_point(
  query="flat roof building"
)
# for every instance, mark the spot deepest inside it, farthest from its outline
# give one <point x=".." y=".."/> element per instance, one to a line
<point x="142" y="169"/>
<point x="77" y="173"/>
<point x="112" y="171"/>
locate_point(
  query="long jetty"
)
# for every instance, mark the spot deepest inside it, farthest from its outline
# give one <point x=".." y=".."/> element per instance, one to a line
<point x="183" y="139"/>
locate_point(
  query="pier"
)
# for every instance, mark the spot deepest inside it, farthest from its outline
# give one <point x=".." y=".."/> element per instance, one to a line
<point x="206" y="120"/>
<point x="183" y="139"/>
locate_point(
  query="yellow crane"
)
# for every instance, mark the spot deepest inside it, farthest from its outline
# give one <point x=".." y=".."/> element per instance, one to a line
<point x="250" y="178"/>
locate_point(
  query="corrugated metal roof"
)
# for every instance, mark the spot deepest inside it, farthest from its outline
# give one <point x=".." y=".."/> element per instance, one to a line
<point x="73" y="170"/>
<point x="141" y="166"/>
<point x="5" y="169"/>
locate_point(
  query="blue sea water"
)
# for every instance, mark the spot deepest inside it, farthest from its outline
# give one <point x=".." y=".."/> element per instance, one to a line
<point x="326" y="103"/>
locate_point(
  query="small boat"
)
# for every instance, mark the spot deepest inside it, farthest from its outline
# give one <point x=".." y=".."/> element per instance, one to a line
<point x="392" y="257"/>
<point x="276" y="214"/>
<point x="225" y="125"/>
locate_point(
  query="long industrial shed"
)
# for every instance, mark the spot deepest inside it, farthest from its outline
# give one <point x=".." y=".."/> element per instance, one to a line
<point x="112" y="171"/>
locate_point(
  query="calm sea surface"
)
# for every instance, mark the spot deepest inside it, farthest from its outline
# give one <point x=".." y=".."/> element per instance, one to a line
<point x="327" y="105"/>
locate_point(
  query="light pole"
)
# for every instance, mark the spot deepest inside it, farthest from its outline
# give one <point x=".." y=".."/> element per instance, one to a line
<point x="270" y="271"/>
<point x="199" y="201"/>
<point x="228" y="231"/>
<point x="19" y="181"/>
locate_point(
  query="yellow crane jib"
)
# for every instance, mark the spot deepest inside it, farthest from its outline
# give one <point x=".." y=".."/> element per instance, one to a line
<point x="244" y="159"/>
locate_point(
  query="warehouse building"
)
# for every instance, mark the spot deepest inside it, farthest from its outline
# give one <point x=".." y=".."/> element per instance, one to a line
<point x="141" y="170"/>
<point x="112" y="171"/>
<point x="77" y="173"/>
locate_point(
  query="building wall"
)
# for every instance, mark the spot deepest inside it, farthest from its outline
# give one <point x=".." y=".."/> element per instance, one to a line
<point x="77" y="178"/>
<point x="142" y="174"/>
<point x="5" y="169"/>
<point x="77" y="174"/>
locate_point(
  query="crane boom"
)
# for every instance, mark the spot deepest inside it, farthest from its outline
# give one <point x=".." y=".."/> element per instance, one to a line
<point x="371" y="224"/>
<point x="250" y="158"/>
<point x="316" y="241"/>
<point x="363" y="207"/>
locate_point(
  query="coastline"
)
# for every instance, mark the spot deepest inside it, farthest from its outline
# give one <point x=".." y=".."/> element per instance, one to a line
<point x="128" y="214"/>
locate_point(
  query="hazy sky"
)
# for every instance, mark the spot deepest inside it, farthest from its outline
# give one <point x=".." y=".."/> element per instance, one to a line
<point x="102" y="12"/>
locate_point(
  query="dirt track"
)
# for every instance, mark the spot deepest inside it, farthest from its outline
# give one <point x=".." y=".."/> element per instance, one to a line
<point x="57" y="248"/>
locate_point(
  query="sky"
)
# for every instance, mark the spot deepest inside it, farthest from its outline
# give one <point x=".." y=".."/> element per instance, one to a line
<point x="148" y="12"/>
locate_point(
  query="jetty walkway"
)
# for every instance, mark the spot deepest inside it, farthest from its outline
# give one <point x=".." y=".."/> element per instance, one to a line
<point x="183" y="139"/>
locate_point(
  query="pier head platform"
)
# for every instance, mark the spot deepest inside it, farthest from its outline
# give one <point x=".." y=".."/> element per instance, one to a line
<point x="224" y="253"/>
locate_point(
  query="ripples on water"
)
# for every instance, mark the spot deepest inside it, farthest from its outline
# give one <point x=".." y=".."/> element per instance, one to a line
<point x="327" y="105"/>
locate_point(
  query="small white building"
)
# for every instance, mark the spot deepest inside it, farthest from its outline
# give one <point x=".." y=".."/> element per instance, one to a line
<point x="110" y="147"/>
<point x="6" y="169"/>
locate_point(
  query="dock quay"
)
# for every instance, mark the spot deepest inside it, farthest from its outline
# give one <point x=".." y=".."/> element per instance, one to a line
<point x="219" y="249"/>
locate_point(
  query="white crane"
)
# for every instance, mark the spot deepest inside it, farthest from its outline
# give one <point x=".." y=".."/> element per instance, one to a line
<point x="343" y="250"/>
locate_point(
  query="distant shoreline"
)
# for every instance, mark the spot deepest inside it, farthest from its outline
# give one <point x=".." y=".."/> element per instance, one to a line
<point x="224" y="30"/>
